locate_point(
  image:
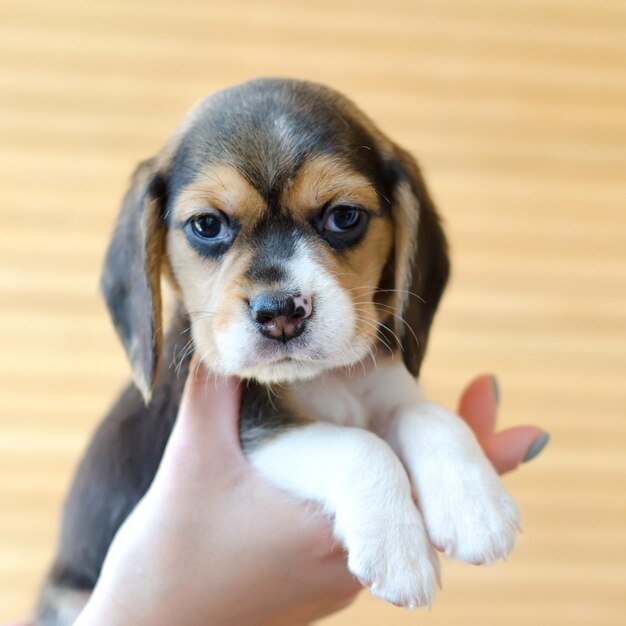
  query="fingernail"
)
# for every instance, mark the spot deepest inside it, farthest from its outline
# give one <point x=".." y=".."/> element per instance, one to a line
<point x="496" y="389"/>
<point x="535" y="449"/>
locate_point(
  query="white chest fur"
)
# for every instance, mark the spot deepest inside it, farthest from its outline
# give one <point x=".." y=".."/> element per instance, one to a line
<point x="365" y="397"/>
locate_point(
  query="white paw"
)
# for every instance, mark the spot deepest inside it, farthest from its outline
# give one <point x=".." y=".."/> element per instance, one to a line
<point x="468" y="513"/>
<point x="394" y="558"/>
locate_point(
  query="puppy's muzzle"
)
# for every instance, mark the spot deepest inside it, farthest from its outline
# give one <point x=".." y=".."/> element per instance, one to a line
<point x="281" y="316"/>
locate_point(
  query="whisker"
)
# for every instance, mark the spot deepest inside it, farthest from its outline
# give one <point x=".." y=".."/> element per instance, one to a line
<point x="369" y="322"/>
<point x="391" y="311"/>
<point x="379" y="335"/>
<point x="394" y="334"/>
<point x="376" y="289"/>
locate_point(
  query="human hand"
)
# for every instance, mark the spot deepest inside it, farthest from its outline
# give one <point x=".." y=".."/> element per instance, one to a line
<point x="509" y="448"/>
<point x="212" y="542"/>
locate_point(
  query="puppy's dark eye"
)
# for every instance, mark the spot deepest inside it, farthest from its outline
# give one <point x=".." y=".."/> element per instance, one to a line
<point x="342" y="225"/>
<point x="209" y="226"/>
<point x="342" y="219"/>
<point x="210" y="234"/>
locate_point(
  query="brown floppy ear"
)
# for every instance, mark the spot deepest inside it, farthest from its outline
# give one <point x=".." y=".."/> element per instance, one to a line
<point x="421" y="259"/>
<point x="132" y="271"/>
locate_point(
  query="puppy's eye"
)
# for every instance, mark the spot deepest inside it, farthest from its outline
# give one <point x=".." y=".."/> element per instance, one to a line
<point x="209" y="226"/>
<point x="342" y="225"/>
<point x="342" y="219"/>
<point x="210" y="234"/>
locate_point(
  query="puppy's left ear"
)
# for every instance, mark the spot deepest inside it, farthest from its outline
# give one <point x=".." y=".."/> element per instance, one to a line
<point x="421" y="259"/>
<point x="131" y="277"/>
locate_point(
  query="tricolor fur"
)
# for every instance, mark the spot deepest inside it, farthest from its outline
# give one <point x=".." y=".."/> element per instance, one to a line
<point x="308" y="259"/>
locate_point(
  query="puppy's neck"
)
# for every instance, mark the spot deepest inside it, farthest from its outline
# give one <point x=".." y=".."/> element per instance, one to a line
<point x="364" y="395"/>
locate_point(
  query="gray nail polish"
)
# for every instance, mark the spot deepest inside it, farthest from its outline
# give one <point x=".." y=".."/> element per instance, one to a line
<point x="538" y="445"/>
<point x="496" y="389"/>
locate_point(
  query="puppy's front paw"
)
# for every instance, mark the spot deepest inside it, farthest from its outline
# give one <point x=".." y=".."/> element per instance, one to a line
<point x="468" y="513"/>
<point x="394" y="558"/>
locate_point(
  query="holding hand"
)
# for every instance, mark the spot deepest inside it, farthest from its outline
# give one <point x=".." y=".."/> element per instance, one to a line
<point x="212" y="542"/>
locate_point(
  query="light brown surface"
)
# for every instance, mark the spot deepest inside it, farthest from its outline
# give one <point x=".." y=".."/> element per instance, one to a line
<point x="517" y="111"/>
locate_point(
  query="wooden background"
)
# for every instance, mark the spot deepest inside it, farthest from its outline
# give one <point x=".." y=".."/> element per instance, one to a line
<point x="517" y="111"/>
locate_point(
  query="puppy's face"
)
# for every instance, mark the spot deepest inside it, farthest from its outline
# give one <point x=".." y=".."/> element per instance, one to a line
<point x="288" y="225"/>
<point x="283" y="287"/>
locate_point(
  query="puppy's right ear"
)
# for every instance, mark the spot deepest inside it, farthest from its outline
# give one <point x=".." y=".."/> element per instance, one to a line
<point x="131" y="278"/>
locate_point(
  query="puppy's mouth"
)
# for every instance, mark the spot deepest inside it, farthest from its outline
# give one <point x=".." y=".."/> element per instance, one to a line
<point x="271" y="361"/>
<point x="269" y="352"/>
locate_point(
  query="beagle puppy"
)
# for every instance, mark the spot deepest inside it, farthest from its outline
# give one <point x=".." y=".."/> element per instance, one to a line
<point x="308" y="259"/>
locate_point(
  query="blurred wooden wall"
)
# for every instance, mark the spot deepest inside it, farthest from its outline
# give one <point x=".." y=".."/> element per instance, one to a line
<point x="517" y="111"/>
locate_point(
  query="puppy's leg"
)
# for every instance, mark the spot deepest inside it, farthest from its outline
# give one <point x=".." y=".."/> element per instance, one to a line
<point x="467" y="512"/>
<point x="358" y="479"/>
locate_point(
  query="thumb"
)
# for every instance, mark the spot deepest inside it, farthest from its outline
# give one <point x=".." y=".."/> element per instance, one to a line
<point x="208" y="416"/>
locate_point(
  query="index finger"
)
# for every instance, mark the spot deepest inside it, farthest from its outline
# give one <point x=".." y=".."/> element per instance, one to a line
<point x="479" y="405"/>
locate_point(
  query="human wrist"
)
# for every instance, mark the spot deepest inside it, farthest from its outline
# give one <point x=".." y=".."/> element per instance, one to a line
<point x="105" y="610"/>
<point x="119" y="601"/>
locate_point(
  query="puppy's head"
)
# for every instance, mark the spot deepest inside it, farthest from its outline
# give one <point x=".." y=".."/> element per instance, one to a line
<point x="297" y="237"/>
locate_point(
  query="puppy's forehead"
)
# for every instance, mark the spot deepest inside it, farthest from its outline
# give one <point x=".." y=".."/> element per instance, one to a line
<point x="267" y="130"/>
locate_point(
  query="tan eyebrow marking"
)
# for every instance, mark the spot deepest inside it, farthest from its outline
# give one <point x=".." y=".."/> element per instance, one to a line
<point x="225" y="189"/>
<point x="323" y="180"/>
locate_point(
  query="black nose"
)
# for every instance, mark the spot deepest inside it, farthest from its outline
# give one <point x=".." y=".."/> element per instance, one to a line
<point x="280" y="316"/>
